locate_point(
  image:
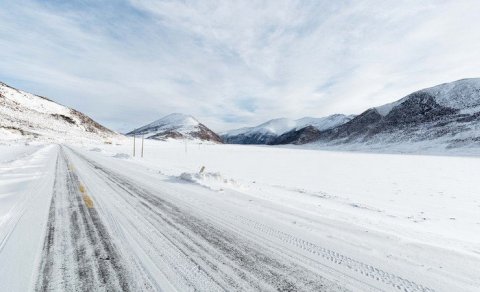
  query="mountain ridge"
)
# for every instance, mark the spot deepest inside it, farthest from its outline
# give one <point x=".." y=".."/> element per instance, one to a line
<point x="268" y="132"/>
<point x="448" y="113"/>
<point x="28" y="116"/>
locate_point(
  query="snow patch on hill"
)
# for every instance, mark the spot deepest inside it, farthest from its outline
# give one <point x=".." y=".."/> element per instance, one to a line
<point x="324" y="123"/>
<point x="386" y="108"/>
<point x="462" y="94"/>
<point x="174" y="120"/>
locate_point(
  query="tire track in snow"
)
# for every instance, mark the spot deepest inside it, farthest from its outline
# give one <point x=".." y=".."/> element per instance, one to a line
<point x="267" y="233"/>
<point x="338" y="259"/>
<point x="78" y="253"/>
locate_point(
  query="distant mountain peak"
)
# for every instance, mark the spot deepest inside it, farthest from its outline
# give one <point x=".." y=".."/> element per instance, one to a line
<point x="174" y="120"/>
<point x="181" y="119"/>
<point x="177" y="126"/>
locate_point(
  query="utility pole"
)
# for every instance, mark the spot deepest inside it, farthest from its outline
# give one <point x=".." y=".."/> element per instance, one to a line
<point x="133" y="145"/>
<point x="142" y="144"/>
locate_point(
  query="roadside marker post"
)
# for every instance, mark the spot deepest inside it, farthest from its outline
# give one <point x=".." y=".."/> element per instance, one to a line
<point x="133" y="145"/>
<point x="142" y="144"/>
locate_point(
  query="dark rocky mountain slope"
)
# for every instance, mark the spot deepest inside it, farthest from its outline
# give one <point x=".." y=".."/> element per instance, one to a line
<point x="448" y="113"/>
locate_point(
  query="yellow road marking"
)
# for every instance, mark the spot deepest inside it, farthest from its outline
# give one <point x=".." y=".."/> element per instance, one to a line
<point x="88" y="201"/>
<point x="86" y="198"/>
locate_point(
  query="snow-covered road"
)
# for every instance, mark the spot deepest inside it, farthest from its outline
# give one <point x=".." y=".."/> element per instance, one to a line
<point x="184" y="244"/>
<point x="110" y="225"/>
<point x="78" y="252"/>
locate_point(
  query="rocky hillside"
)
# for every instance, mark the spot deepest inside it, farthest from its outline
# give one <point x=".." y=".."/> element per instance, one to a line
<point x="28" y="116"/>
<point x="447" y="114"/>
<point x="298" y="136"/>
<point x="271" y="131"/>
<point x="177" y="126"/>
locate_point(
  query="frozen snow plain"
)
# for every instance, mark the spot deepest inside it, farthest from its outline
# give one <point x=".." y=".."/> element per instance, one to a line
<point x="264" y="218"/>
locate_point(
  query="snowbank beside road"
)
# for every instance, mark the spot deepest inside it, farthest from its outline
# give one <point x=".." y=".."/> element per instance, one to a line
<point x="11" y="152"/>
<point x="25" y="191"/>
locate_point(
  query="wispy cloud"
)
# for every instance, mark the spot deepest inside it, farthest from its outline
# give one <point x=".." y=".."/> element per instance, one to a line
<point x="234" y="63"/>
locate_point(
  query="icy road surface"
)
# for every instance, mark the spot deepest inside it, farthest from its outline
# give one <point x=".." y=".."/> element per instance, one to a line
<point x="103" y="224"/>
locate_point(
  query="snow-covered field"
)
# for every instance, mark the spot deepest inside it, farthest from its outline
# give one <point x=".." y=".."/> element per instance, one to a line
<point x="342" y="220"/>
<point x="438" y="194"/>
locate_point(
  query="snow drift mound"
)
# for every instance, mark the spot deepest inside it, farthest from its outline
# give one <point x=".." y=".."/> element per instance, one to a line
<point x="211" y="180"/>
<point x="121" y="156"/>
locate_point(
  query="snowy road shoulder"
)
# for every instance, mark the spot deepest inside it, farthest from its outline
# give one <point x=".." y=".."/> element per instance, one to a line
<point x="25" y="192"/>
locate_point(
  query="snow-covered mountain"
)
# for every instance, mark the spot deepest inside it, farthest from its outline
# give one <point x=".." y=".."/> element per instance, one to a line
<point x="177" y="126"/>
<point x="268" y="132"/>
<point x="28" y="116"/>
<point x="447" y="114"/>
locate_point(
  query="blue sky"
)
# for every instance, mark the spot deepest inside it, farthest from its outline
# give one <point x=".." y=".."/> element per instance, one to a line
<point x="233" y="63"/>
